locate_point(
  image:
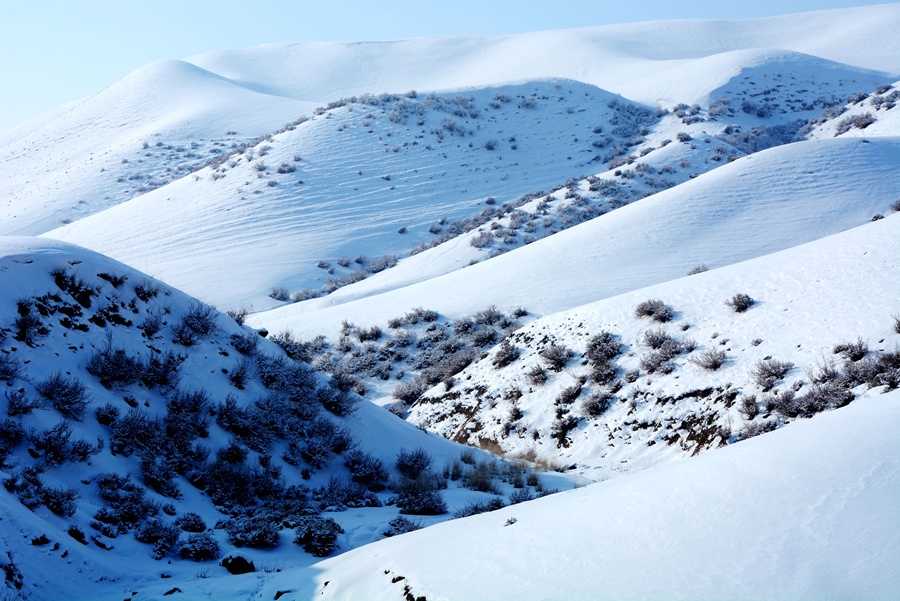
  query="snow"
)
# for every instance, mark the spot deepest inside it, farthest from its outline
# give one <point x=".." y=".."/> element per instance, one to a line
<point x="675" y="498"/>
<point x="806" y="512"/>
<point x="756" y="205"/>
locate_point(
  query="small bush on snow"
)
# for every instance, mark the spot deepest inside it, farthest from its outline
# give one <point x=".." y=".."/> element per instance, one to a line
<point x="318" y="535"/>
<point x="412" y="463"/>
<point x="768" y="371"/>
<point x="506" y="353"/>
<point x="740" y="302"/>
<point x="654" y="309"/>
<point x="709" y="360"/>
<point x="199" y="546"/>
<point x="555" y="356"/>
<point x="67" y="394"/>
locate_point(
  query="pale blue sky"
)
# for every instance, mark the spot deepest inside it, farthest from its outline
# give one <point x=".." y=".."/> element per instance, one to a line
<point x="55" y="51"/>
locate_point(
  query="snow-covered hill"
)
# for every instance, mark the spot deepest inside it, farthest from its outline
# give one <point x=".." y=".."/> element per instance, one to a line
<point x="604" y="388"/>
<point x="490" y="237"/>
<point x="807" y="512"/>
<point x="756" y="205"/>
<point x="146" y="430"/>
<point x="145" y="130"/>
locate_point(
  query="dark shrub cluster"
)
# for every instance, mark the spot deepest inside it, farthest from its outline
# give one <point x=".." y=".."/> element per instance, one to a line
<point x="114" y="366"/>
<point x="10" y="367"/>
<point x="54" y="446"/>
<point x="598" y="403"/>
<point x="318" y="535"/>
<point x="656" y="310"/>
<point x="197" y="323"/>
<point x="740" y="302"/>
<point x="476" y="507"/>
<point x="602" y="350"/>
<point x="11" y="435"/>
<point x="411" y="463"/>
<point x="748" y="407"/>
<point x="506" y="353"/>
<point x="366" y="469"/>
<point x="420" y="497"/>
<point x="560" y="429"/>
<point x="200" y="546"/>
<point x="852" y="351"/>
<point x="664" y="349"/>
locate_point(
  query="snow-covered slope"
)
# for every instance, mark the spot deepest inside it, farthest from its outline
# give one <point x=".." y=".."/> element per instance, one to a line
<point x="149" y="128"/>
<point x="610" y="57"/>
<point x="759" y="204"/>
<point x="655" y="399"/>
<point x="345" y="182"/>
<point x="129" y="408"/>
<point x="808" y="512"/>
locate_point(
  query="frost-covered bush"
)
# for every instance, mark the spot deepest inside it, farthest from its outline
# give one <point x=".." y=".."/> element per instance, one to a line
<point x="768" y="371"/>
<point x="476" y="507"/>
<point x="852" y="351"/>
<point x="201" y="546"/>
<point x="560" y="429"/>
<point x="27" y="326"/>
<point x="709" y="360"/>
<point x="603" y="347"/>
<point x="598" y="403"/>
<point x="162" y="370"/>
<point x="18" y="403"/>
<point x="11" y="434"/>
<point x="536" y="376"/>
<point x="506" y="353"/>
<point x="402" y="525"/>
<point x="190" y="522"/>
<point x="61" y="500"/>
<point x="280" y="293"/>
<point x="748" y="407"/>
<point x="114" y="366"/>
<point x="257" y="530"/>
<point x="198" y="322"/>
<point x="318" y="535"/>
<point x="411" y="390"/>
<point x="68" y="395"/>
<point x="656" y="310"/>
<point x="10" y="368"/>
<point x="55" y="445"/>
<point x="162" y="535"/>
<point x="555" y="356"/>
<point x="420" y="497"/>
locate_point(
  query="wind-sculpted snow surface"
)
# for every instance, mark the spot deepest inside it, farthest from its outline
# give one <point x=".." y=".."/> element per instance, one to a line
<point x="759" y="204"/>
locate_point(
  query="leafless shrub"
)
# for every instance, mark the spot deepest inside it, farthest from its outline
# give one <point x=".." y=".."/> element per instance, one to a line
<point x="755" y="429"/>
<point x="555" y="356"/>
<point x="709" y="360"/>
<point x="654" y="309"/>
<point x="506" y="354"/>
<point x="740" y="302"/>
<point x="536" y="376"/>
<point x="748" y="408"/>
<point x="698" y="269"/>
<point x="598" y="403"/>
<point x="768" y="371"/>
<point x="852" y="351"/>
